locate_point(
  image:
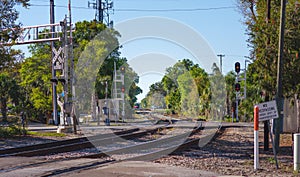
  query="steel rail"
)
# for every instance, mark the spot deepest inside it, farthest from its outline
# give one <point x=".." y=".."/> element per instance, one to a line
<point x="76" y="144"/>
<point x="99" y="162"/>
<point x="8" y="151"/>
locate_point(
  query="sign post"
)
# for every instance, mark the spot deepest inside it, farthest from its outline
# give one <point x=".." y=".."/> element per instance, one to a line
<point x="263" y="112"/>
<point x="267" y="111"/>
<point x="256" y="141"/>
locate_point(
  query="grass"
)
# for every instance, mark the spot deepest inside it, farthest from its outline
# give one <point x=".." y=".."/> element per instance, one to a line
<point x="271" y="160"/>
<point x="46" y="134"/>
<point x="13" y="131"/>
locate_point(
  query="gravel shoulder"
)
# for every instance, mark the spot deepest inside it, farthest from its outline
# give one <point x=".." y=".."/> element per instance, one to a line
<point x="231" y="153"/>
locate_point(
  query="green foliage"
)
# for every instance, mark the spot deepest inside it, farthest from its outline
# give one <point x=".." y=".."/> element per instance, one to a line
<point x="35" y="75"/>
<point x="11" y="131"/>
<point x="9" y="90"/>
<point x="189" y="95"/>
<point x="263" y="32"/>
<point x="9" y="30"/>
<point x="263" y="40"/>
<point x="184" y="89"/>
<point x="218" y="94"/>
<point x="144" y="103"/>
<point x="98" y="48"/>
<point x="95" y="46"/>
<point x="9" y="58"/>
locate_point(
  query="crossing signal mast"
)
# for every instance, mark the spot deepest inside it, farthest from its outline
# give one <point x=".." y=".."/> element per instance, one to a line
<point x="237" y="67"/>
<point x="103" y="10"/>
<point x="61" y="60"/>
<point x="119" y="91"/>
<point x="237" y="86"/>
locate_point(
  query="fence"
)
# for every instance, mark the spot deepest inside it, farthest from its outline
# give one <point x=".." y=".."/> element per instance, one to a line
<point x="291" y="120"/>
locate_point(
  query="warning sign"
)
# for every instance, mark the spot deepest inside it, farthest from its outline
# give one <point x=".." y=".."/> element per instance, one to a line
<point x="267" y="111"/>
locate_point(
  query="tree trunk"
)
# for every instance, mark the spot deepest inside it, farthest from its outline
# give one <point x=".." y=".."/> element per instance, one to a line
<point x="3" y="109"/>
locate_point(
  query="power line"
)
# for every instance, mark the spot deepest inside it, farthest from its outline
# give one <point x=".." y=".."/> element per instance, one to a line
<point x="147" y="10"/>
<point x="175" y="10"/>
<point x="61" y="6"/>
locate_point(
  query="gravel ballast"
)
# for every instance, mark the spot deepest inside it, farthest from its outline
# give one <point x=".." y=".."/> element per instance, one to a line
<point x="231" y="153"/>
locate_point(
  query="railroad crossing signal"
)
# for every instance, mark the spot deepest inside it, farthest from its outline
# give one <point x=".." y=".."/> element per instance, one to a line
<point x="58" y="59"/>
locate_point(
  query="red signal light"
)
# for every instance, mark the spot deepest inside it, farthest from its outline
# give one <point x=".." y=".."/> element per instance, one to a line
<point x="237" y="87"/>
<point x="123" y="89"/>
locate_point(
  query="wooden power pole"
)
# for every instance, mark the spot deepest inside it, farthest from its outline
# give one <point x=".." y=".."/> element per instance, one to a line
<point x="279" y="93"/>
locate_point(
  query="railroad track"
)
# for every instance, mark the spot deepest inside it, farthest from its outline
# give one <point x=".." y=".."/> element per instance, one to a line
<point x="144" y="151"/>
<point x="155" y="149"/>
<point x="77" y="143"/>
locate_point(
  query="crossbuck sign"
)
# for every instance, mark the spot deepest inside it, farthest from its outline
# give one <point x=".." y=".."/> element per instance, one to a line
<point x="267" y="111"/>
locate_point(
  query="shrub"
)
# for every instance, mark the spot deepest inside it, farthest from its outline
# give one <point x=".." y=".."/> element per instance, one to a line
<point x="11" y="131"/>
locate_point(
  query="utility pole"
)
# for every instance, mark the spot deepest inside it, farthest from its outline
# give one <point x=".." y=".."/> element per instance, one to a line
<point x="54" y="101"/>
<point x="103" y="9"/>
<point x="266" y="123"/>
<point x="279" y="93"/>
<point x="72" y="87"/>
<point x="100" y="11"/>
<point x="221" y="62"/>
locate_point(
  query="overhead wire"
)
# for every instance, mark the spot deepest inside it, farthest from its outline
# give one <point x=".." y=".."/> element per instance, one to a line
<point x="148" y="10"/>
<point x="175" y="10"/>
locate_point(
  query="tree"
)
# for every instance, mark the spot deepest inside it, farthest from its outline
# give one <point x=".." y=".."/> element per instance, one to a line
<point x="156" y="96"/>
<point x="189" y="95"/>
<point x="202" y="82"/>
<point x="35" y="80"/>
<point x="230" y="96"/>
<point x="186" y="89"/>
<point x="218" y="94"/>
<point x="9" y="90"/>
<point x="9" y="58"/>
<point x="98" y="48"/>
<point x="263" y="40"/>
<point x="170" y="83"/>
<point x="9" y="30"/>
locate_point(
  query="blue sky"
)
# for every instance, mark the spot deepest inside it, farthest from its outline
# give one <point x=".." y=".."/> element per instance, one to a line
<point x="221" y="28"/>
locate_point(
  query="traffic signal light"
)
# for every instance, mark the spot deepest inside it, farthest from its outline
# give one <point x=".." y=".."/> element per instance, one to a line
<point x="237" y="87"/>
<point x="237" y="67"/>
<point x="123" y="89"/>
<point x="54" y="80"/>
<point x="62" y="80"/>
<point x="122" y="69"/>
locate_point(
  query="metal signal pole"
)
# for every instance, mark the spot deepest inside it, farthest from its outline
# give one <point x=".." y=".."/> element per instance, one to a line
<point x="54" y="101"/>
<point x="72" y="74"/>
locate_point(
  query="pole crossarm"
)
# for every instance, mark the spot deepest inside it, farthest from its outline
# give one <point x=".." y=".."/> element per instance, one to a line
<point x="33" y="34"/>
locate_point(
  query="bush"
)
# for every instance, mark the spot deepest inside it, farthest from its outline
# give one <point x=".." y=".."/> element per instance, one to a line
<point x="168" y="112"/>
<point x="11" y="131"/>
